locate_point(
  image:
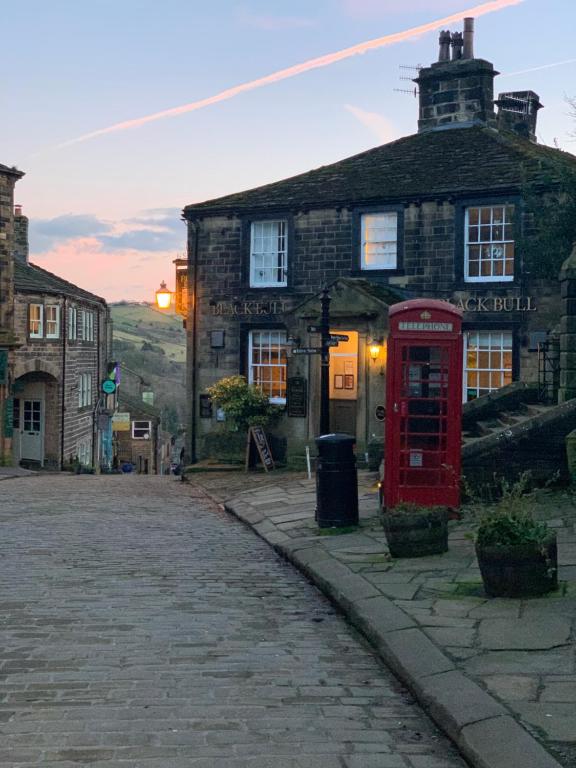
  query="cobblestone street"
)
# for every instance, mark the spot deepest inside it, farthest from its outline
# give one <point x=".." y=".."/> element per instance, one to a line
<point x="143" y="627"/>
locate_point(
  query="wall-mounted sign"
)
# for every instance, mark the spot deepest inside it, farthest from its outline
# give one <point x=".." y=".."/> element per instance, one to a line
<point x="424" y="326"/>
<point x="205" y="407"/>
<point x="246" y="308"/>
<point x="109" y="386"/>
<point x="496" y="304"/>
<point x="380" y="412"/>
<point x="121" y="422"/>
<point x="297" y="396"/>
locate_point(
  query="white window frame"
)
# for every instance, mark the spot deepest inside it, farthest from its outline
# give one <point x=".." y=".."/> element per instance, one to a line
<point x="500" y="342"/>
<point x="87" y="325"/>
<point x="265" y="263"/>
<point x="146" y="431"/>
<point x="388" y="245"/>
<point x="492" y="244"/>
<point x="38" y="322"/>
<point x="72" y="323"/>
<point x="55" y="333"/>
<point x="84" y="390"/>
<point x="279" y="337"/>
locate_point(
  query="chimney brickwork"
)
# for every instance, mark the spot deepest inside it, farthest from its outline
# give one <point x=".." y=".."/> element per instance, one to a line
<point x="20" y="245"/>
<point x="518" y="112"/>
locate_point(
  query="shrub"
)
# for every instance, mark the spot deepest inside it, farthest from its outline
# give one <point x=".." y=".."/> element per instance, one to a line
<point x="244" y="404"/>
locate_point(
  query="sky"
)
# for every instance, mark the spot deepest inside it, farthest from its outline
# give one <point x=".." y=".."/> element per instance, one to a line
<point x="105" y="209"/>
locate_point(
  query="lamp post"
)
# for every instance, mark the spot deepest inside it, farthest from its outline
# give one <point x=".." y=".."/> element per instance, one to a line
<point x="325" y="363"/>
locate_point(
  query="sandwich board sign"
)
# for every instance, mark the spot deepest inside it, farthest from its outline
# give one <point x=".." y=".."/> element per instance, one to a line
<point x="257" y="448"/>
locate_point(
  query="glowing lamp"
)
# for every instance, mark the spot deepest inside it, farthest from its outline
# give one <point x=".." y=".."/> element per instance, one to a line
<point x="374" y="350"/>
<point x="163" y="296"/>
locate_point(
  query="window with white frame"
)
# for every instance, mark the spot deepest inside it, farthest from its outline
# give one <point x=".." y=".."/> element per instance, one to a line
<point x="267" y="352"/>
<point x="379" y="240"/>
<point x="487" y="362"/>
<point x="84" y="390"/>
<point x="36" y="321"/>
<point x="269" y="254"/>
<point x="141" y="430"/>
<point x="489" y="243"/>
<point x="72" y="323"/>
<point x="52" y="321"/>
<point x="87" y="325"/>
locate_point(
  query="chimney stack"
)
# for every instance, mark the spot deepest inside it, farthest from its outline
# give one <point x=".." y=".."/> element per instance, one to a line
<point x="20" y="235"/>
<point x="456" y="92"/>
<point x="468" y="52"/>
<point x="518" y="112"/>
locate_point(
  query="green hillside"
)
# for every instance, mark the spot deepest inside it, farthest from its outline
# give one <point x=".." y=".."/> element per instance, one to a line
<point x="152" y="344"/>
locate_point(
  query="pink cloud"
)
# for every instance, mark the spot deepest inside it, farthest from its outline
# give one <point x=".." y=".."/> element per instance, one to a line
<point x="114" y="275"/>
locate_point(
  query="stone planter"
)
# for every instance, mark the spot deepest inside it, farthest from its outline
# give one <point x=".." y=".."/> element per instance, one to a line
<point x="519" y="570"/>
<point x="416" y="534"/>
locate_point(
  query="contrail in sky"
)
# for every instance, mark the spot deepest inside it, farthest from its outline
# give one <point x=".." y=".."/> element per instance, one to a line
<point x="537" y="69"/>
<point x="298" y="69"/>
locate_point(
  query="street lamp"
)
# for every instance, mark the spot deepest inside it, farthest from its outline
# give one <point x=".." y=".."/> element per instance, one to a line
<point x="163" y="296"/>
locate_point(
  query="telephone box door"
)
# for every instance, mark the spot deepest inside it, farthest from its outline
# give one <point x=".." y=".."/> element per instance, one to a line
<point x="424" y="396"/>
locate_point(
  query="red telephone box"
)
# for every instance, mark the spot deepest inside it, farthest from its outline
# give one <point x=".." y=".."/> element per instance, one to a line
<point x="423" y="404"/>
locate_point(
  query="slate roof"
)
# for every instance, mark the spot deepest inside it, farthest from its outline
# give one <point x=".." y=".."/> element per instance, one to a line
<point x="11" y="171"/>
<point x="133" y="404"/>
<point x="463" y="161"/>
<point x="30" y="278"/>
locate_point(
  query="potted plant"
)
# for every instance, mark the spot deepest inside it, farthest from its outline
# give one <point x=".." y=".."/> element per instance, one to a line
<point x="415" y="531"/>
<point x="517" y="554"/>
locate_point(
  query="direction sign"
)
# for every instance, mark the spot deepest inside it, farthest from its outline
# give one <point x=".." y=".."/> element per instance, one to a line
<point x="332" y="342"/>
<point x="314" y="329"/>
<point x="307" y="351"/>
<point x="339" y="337"/>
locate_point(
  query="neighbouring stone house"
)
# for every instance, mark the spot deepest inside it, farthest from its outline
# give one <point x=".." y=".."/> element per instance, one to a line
<point x="138" y="439"/>
<point x="61" y="418"/>
<point x="437" y="214"/>
<point x="8" y="178"/>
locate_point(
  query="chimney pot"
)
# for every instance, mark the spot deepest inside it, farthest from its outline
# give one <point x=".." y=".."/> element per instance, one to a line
<point x="444" y="45"/>
<point x="17" y="210"/>
<point x="457" y="43"/>
<point x="468" y="52"/>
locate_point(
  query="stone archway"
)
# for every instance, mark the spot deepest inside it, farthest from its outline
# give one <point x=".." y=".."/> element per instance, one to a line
<point x="36" y="439"/>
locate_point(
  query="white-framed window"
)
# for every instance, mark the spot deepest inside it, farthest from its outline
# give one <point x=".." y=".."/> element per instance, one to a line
<point x="84" y="452"/>
<point x="52" y="312"/>
<point x="72" y="323"/>
<point x="84" y="390"/>
<point x="379" y="240"/>
<point x="487" y="362"/>
<point x="141" y="430"/>
<point x="87" y="325"/>
<point x="36" y="321"/>
<point x="269" y="254"/>
<point x="267" y="353"/>
<point x="489" y="243"/>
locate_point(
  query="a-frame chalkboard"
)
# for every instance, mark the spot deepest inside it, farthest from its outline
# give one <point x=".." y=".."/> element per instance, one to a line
<point x="257" y="448"/>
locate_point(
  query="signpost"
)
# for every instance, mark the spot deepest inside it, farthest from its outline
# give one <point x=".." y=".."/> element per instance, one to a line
<point x="307" y="351"/>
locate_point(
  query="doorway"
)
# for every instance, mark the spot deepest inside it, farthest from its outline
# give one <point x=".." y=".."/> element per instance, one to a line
<point x="344" y="383"/>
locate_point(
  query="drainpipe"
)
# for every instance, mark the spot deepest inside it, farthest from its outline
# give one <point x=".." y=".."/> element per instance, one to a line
<point x="97" y="405"/>
<point x="64" y="326"/>
<point x="193" y="421"/>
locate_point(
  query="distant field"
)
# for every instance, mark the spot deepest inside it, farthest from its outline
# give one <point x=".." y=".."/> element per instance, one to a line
<point x="138" y="323"/>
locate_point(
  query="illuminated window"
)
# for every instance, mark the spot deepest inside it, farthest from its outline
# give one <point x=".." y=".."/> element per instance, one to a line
<point x="487" y="362"/>
<point x="489" y="243"/>
<point x="52" y="322"/>
<point x="267" y="363"/>
<point x="379" y="241"/>
<point x="84" y="390"/>
<point x="268" y="254"/>
<point x="72" y="323"/>
<point x="36" y="321"/>
<point x="141" y="430"/>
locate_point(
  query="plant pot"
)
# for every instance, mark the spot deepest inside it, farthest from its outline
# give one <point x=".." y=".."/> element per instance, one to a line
<point x="519" y="570"/>
<point x="416" y="534"/>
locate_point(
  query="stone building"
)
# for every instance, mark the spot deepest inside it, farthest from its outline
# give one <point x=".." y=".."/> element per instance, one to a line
<point x="436" y="214"/>
<point x="60" y="416"/>
<point x="8" y="178"/>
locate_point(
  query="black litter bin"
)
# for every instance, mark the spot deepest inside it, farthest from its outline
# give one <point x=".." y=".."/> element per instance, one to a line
<point x="336" y="481"/>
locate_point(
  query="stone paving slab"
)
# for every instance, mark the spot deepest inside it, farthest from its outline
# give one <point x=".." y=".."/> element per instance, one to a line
<point x="508" y="650"/>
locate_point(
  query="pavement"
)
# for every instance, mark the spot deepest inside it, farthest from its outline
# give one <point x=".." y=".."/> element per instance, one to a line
<point x="497" y="675"/>
<point x="141" y="626"/>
